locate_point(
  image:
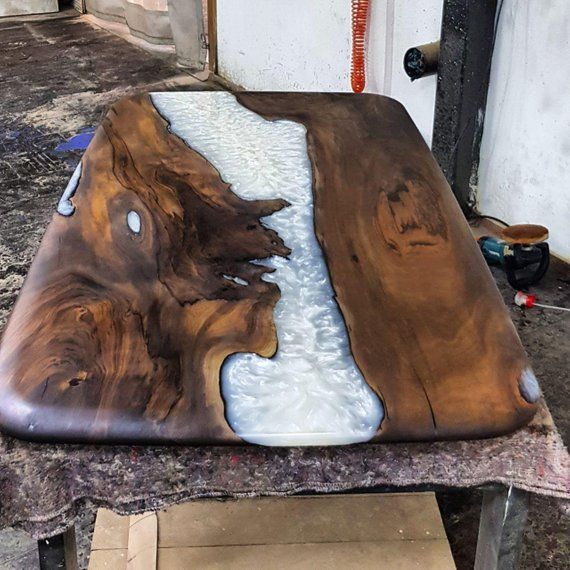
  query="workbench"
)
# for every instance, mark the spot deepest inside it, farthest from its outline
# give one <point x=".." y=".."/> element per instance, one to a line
<point x="44" y="487"/>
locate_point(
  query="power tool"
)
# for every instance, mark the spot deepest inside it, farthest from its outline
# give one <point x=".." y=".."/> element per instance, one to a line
<point x="521" y="251"/>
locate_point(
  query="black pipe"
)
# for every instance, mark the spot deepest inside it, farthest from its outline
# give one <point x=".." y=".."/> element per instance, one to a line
<point x="421" y="61"/>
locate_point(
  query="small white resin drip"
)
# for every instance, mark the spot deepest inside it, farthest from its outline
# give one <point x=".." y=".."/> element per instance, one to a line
<point x="311" y="392"/>
<point x="64" y="206"/>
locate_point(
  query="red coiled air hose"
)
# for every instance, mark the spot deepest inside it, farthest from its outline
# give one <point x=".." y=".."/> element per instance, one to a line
<point x="358" y="68"/>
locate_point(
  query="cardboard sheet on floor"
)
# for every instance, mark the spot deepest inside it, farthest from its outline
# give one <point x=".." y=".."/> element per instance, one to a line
<point x="395" y="531"/>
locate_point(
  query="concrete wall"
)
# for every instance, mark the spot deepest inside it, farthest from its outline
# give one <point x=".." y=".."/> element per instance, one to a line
<point x="147" y="19"/>
<point x="305" y="45"/>
<point x="525" y="153"/>
<point x="26" y="7"/>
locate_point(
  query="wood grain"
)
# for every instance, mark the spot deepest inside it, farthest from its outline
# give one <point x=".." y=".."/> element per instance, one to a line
<point x="213" y="36"/>
<point x="119" y="336"/>
<point x="427" y="325"/>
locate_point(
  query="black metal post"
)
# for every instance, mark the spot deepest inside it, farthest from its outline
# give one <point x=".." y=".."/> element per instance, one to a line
<point x="59" y="551"/>
<point x="466" y="49"/>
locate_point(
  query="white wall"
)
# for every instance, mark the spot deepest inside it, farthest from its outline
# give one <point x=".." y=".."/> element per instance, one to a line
<point x="525" y="153"/>
<point x="304" y="45"/>
<point x="415" y="22"/>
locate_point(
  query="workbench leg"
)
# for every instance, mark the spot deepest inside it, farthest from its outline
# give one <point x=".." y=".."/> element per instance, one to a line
<point x="501" y="528"/>
<point x="59" y="551"/>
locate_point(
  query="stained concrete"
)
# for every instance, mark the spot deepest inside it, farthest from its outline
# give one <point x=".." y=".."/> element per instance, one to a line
<point x="58" y="76"/>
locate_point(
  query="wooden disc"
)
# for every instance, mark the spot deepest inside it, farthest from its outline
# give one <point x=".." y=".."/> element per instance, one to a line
<point x="525" y="234"/>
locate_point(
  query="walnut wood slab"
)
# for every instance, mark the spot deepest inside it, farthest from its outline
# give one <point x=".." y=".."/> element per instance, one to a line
<point x="126" y="316"/>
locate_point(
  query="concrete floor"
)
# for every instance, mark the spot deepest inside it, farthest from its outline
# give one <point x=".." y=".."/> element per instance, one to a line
<point x="57" y="78"/>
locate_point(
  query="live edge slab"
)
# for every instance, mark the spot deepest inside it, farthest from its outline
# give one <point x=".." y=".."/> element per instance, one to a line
<point x="152" y="273"/>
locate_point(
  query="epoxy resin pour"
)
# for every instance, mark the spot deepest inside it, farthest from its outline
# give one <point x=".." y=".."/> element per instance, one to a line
<point x="311" y="391"/>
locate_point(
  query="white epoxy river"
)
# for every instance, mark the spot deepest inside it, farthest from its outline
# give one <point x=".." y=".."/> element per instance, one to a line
<point x="311" y="392"/>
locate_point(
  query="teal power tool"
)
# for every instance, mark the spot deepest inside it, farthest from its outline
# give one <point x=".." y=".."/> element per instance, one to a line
<point x="521" y="251"/>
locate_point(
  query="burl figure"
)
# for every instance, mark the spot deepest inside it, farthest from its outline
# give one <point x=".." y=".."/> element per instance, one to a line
<point x="132" y="305"/>
<point x="137" y="293"/>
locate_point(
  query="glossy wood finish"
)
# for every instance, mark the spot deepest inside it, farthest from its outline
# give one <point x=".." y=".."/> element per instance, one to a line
<point x="119" y="335"/>
<point x="427" y="325"/>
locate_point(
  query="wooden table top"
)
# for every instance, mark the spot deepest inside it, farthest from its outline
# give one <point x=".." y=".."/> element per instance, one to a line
<point x="273" y="268"/>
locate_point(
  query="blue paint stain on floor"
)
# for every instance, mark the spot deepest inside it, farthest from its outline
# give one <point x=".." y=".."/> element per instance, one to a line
<point x="80" y="141"/>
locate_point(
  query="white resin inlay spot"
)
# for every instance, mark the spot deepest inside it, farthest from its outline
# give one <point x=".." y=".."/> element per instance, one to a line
<point x="529" y="387"/>
<point x="235" y="279"/>
<point x="64" y="206"/>
<point x="134" y="222"/>
<point x="311" y="392"/>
